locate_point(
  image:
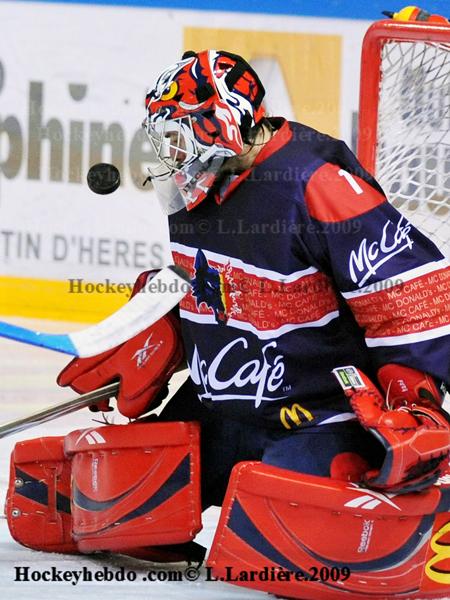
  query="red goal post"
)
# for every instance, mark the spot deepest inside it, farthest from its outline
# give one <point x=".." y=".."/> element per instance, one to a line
<point x="404" y="120"/>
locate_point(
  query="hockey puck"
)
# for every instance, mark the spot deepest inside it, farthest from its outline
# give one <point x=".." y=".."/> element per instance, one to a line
<point x="103" y="178"/>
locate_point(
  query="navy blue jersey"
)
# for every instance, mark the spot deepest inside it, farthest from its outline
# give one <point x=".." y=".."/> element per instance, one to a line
<point x="301" y="266"/>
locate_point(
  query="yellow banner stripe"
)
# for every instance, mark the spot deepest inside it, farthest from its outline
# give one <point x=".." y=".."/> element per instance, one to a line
<point x="50" y="299"/>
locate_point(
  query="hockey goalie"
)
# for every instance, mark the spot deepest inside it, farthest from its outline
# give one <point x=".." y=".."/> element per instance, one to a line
<point x="317" y="339"/>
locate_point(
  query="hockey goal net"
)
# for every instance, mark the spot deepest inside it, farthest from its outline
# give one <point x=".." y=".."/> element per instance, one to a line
<point x="404" y="120"/>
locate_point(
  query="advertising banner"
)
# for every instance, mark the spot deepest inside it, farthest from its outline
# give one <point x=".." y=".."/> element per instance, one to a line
<point x="73" y="79"/>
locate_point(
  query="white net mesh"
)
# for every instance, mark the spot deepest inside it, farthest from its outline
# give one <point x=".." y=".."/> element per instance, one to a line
<point x="413" y="150"/>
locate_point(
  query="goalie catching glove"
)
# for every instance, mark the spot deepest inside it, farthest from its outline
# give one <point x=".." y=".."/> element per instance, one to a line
<point x="144" y="364"/>
<point x="410" y="424"/>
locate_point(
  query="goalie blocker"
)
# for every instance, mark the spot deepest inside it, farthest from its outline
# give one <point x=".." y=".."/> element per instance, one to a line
<point x="144" y="364"/>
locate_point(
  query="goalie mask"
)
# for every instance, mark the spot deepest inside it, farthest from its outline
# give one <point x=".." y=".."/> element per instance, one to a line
<point x="199" y="114"/>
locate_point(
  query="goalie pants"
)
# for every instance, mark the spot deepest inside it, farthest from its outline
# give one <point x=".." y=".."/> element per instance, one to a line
<point x="324" y="450"/>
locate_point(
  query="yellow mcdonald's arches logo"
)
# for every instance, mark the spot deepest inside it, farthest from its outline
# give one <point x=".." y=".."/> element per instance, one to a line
<point x="295" y="414"/>
<point x="442" y="553"/>
<point x="301" y="71"/>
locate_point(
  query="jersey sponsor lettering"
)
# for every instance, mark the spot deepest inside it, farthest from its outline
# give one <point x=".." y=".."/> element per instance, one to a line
<point x="413" y="306"/>
<point x="257" y="379"/>
<point x="371" y="255"/>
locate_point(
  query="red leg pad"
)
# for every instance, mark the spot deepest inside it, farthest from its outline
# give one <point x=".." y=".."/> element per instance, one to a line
<point x="135" y="485"/>
<point x="392" y="545"/>
<point x="38" y="499"/>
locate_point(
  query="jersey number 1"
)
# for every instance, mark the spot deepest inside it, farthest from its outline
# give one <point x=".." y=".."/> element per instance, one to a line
<point x="352" y="181"/>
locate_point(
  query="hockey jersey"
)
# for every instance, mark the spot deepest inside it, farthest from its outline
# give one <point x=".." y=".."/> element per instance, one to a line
<point x="300" y="267"/>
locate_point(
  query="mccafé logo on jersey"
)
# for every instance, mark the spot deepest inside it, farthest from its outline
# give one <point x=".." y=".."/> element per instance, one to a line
<point x="258" y="378"/>
<point x="372" y="254"/>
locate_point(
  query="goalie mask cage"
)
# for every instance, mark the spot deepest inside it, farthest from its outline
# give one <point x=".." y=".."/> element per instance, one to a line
<point x="404" y="120"/>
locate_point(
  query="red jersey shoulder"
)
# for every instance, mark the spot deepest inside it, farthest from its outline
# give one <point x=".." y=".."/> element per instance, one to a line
<point x="333" y="194"/>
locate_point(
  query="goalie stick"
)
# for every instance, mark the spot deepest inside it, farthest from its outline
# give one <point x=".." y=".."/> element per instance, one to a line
<point x="170" y="285"/>
<point x="64" y="408"/>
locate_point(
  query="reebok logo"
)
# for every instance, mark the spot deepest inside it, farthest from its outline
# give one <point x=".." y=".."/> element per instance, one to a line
<point x="92" y="437"/>
<point x="144" y="354"/>
<point x="370" y="499"/>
